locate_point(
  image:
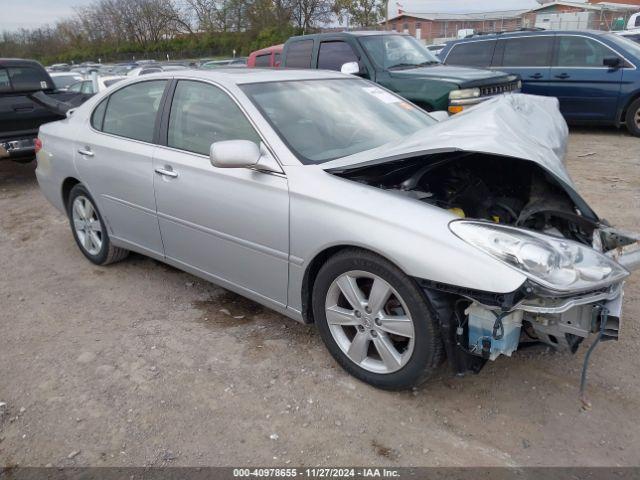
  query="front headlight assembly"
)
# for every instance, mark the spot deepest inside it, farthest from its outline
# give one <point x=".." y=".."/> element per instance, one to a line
<point x="558" y="264"/>
<point x="464" y="93"/>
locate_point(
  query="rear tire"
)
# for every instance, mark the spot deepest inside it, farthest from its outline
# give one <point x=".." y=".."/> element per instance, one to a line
<point x="632" y="119"/>
<point x="372" y="341"/>
<point x="89" y="230"/>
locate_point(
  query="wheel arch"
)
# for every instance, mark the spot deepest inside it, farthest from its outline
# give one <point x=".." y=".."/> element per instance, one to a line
<point x="623" y="113"/>
<point x="67" y="185"/>
<point x="314" y="266"/>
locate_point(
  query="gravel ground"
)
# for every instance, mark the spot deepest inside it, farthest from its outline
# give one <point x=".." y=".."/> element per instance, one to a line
<point x="135" y="364"/>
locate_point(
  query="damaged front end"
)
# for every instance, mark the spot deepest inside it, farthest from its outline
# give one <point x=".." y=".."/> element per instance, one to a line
<point x="522" y="211"/>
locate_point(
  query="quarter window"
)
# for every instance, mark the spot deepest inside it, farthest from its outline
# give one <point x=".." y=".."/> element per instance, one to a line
<point x="132" y="111"/>
<point x="299" y="54"/>
<point x="475" y="54"/>
<point x="527" y="52"/>
<point x="202" y="114"/>
<point x="333" y="55"/>
<point x="581" y="52"/>
<point x="97" y="118"/>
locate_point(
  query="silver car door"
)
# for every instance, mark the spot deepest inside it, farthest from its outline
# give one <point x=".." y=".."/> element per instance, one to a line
<point x="115" y="159"/>
<point x="232" y="225"/>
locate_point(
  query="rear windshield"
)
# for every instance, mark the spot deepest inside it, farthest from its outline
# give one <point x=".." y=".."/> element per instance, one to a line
<point x="24" y="79"/>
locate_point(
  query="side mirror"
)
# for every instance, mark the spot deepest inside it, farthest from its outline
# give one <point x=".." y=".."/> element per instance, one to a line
<point x="350" y="68"/>
<point x="612" y="62"/>
<point x="234" y="154"/>
<point x="440" y="115"/>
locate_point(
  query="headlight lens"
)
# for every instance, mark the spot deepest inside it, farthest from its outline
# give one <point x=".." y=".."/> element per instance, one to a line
<point x="464" y="93"/>
<point x="556" y="263"/>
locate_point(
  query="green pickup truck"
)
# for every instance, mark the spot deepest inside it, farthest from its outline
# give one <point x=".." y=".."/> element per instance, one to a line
<point x="400" y="63"/>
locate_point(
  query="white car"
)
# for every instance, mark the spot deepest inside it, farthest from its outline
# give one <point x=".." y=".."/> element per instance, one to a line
<point x="63" y="80"/>
<point x="86" y="86"/>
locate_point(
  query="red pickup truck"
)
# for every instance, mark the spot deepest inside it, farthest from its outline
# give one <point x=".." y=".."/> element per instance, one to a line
<point x="267" y="57"/>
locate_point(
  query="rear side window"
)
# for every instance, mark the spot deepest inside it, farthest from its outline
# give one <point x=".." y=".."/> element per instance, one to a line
<point x="97" y="118"/>
<point x="131" y="111"/>
<point x="475" y="54"/>
<point x="5" y="85"/>
<point x="276" y="59"/>
<point x="527" y="52"/>
<point x="25" y="79"/>
<point x="202" y="114"/>
<point x="263" y="60"/>
<point x="581" y="52"/>
<point x="333" y="55"/>
<point x="299" y="54"/>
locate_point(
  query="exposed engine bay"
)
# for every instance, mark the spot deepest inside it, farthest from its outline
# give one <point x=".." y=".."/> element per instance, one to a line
<point x="520" y="194"/>
<point x="497" y="189"/>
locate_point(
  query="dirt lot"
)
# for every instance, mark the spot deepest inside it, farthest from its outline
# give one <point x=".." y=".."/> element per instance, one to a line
<point x="136" y="364"/>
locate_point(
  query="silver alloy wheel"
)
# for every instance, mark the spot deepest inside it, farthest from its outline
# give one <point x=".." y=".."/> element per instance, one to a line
<point x="370" y="322"/>
<point x="637" y="118"/>
<point x="87" y="225"/>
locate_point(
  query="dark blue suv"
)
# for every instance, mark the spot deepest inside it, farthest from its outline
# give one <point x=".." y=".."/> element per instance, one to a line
<point x="594" y="75"/>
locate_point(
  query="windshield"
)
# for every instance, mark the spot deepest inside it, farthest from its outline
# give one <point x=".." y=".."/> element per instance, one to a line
<point x="629" y="46"/>
<point x="63" y="81"/>
<point x="321" y="120"/>
<point x="397" y="51"/>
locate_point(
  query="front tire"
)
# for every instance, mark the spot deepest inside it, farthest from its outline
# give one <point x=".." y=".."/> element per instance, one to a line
<point x="89" y="230"/>
<point x="375" y="321"/>
<point x="632" y="119"/>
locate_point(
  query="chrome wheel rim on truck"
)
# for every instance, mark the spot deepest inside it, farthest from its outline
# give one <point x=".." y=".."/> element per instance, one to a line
<point x="370" y="322"/>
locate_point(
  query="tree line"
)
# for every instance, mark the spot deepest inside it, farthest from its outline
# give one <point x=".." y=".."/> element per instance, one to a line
<point x="117" y="30"/>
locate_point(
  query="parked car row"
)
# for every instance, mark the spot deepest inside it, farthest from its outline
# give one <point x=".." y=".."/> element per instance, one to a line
<point x="406" y="237"/>
<point x="594" y="75"/>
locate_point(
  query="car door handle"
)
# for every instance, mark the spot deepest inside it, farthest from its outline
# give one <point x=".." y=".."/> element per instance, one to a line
<point x="536" y="76"/>
<point x="86" y="152"/>
<point x="167" y="173"/>
<point x="562" y="76"/>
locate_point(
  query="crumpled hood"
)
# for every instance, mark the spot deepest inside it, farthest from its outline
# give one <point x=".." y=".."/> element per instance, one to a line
<point x="462" y="76"/>
<point x="520" y="126"/>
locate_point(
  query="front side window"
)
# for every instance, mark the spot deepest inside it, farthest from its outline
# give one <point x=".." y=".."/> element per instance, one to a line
<point x="474" y="54"/>
<point x="527" y="52"/>
<point x="397" y="51"/>
<point x="202" y="114"/>
<point x="581" y="52"/>
<point x="333" y="55"/>
<point x="299" y="54"/>
<point x="131" y="111"/>
<point x="321" y="120"/>
<point x="263" y="60"/>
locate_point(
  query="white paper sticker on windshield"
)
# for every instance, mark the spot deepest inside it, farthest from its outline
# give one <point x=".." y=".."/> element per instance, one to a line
<point x="381" y="95"/>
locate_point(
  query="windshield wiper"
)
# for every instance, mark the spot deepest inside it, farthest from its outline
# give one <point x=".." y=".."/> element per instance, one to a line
<point x="430" y="62"/>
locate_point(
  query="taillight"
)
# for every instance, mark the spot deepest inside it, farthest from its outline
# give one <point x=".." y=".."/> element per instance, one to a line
<point x="37" y="143"/>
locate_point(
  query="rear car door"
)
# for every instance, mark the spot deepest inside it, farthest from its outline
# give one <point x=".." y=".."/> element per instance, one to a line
<point x="232" y="224"/>
<point x="115" y="160"/>
<point x="587" y="89"/>
<point x="528" y="57"/>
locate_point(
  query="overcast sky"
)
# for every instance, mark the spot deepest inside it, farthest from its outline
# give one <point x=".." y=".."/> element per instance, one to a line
<point x="34" y="13"/>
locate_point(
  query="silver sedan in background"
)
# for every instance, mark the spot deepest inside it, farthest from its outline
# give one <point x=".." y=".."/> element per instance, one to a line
<point x="407" y="237"/>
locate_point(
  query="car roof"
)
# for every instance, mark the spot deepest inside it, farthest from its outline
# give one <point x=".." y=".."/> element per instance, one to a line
<point x="527" y="33"/>
<point x="356" y="33"/>
<point x="16" y="62"/>
<point x="238" y="76"/>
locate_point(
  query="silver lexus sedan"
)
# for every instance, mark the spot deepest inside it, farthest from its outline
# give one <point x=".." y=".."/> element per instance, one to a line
<point x="407" y="237"/>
